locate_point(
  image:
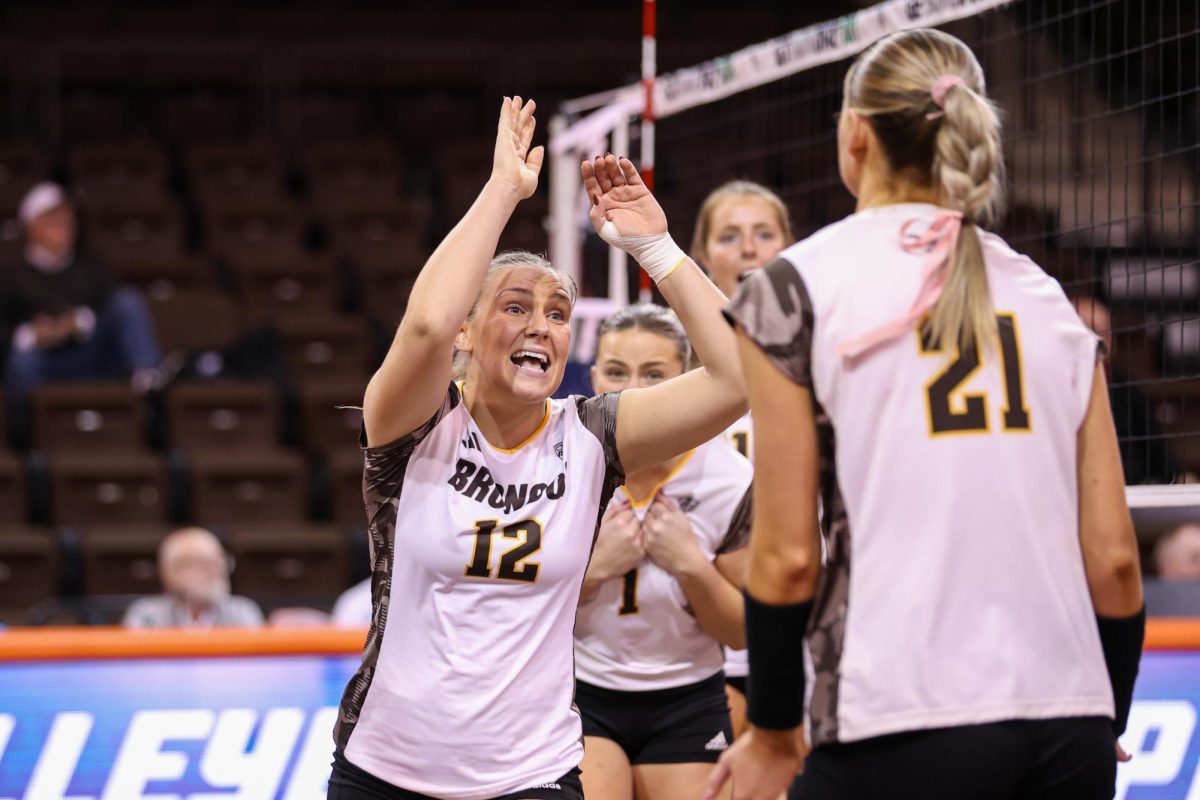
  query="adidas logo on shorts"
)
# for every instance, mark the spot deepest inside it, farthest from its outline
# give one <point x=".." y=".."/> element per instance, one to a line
<point x="718" y="742"/>
<point x="554" y="786"/>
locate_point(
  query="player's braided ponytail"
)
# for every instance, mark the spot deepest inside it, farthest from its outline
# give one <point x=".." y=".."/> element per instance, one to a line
<point x="923" y="91"/>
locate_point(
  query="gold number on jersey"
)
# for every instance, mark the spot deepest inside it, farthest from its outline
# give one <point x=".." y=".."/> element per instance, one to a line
<point x="953" y="412"/>
<point x="741" y="440"/>
<point x="628" y="593"/>
<point x="529" y="534"/>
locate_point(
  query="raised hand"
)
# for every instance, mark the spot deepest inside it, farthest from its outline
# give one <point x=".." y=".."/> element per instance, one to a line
<point x="619" y="196"/>
<point x="514" y="163"/>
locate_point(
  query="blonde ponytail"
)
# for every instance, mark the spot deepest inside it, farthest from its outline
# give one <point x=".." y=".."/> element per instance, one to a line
<point x="953" y="147"/>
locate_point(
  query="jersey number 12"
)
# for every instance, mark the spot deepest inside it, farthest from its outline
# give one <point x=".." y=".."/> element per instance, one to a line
<point x="529" y="536"/>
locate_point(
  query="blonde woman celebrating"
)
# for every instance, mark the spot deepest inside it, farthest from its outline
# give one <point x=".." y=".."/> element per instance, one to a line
<point x="483" y="496"/>
<point x="976" y="628"/>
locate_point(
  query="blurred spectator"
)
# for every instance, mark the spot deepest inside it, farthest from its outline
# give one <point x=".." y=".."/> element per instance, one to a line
<point x="60" y="313"/>
<point x="1177" y="555"/>
<point x="353" y="607"/>
<point x="297" y="617"/>
<point x="1144" y="452"/>
<point x="194" y="570"/>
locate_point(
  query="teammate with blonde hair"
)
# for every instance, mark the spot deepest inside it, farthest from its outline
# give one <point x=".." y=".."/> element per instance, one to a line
<point x="976" y="628"/>
<point x="661" y="594"/>
<point x="741" y="226"/>
<point x="483" y="497"/>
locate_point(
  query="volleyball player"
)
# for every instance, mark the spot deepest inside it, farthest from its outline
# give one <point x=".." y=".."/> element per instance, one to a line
<point x="740" y="227"/>
<point x="976" y="629"/>
<point x="483" y="496"/>
<point x="661" y="594"/>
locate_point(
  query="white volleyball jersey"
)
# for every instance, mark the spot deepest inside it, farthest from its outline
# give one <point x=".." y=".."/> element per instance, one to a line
<point x="741" y="435"/>
<point x="467" y="683"/>
<point x="954" y="590"/>
<point x="637" y="633"/>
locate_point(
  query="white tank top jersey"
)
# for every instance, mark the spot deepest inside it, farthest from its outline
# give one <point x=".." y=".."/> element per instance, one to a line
<point x="467" y="683"/>
<point x="741" y="435"/>
<point x="953" y="591"/>
<point x="637" y="633"/>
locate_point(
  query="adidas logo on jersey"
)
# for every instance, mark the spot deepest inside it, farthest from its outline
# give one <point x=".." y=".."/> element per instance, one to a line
<point x="558" y="450"/>
<point x="718" y="742"/>
<point x="688" y="504"/>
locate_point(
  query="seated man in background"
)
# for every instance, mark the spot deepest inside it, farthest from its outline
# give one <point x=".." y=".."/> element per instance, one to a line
<point x="1177" y="554"/>
<point x="194" y="570"/>
<point x="59" y="308"/>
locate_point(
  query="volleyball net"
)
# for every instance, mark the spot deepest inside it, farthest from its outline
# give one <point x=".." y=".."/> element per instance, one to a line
<point x="1102" y="119"/>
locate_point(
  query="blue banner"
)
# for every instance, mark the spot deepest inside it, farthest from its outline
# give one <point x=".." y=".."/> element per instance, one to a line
<point x="261" y="728"/>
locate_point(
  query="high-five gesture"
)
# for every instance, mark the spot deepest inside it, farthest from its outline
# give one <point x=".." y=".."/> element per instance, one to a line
<point x="514" y="163"/>
<point x="619" y="196"/>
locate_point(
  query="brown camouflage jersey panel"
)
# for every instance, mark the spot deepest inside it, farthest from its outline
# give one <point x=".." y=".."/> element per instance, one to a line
<point x="599" y="416"/>
<point x="383" y="479"/>
<point x="738" y="535"/>
<point x="773" y="308"/>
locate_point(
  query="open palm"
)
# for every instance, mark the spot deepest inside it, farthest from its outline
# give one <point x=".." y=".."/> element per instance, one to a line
<point x="620" y="196"/>
<point x="514" y="162"/>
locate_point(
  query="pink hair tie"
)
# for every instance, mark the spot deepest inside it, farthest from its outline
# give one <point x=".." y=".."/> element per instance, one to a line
<point x="938" y="92"/>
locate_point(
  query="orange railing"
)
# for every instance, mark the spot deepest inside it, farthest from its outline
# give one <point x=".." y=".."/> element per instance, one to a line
<point x="53" y="644"/>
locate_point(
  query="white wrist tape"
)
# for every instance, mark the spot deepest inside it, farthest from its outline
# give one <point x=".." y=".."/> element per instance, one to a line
<point x="656" y="252"/>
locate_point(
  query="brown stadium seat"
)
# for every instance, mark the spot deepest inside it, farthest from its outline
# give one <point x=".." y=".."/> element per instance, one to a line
<point x="386" y="234"/>
<point x="317" y="116"/>
<point x="328" y="347"/>
<point x="22" y="164"/>
<point x="29" y="569"/>
<point x="132" y="238"/>
<point x="119" y="175"/>
<point x="14" y="498"/>
<point x="289" y="562"/>
<point x="331" y="414"/>
<point x="223" y="414"/>
<point x="195" y="319"/>
<point x="86" y="415"/>
<point x="121" y="558"/>
<point x="114" y="486"/>
<point x="345" y="477"/>
<point x="163" y="277"/>
<point x="384" y="287"/>
<point x="94" y="115"/>
<point x="351" y="175"/>
<point x="236" y="176"/>
<point x="250" y="485"/>
<point x="301" y="282"/>
<point x="267" y="236"/>
<point x="203" y="116"/>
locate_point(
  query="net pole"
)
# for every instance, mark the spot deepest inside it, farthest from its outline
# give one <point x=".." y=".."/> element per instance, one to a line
<point x="618" y="275"/>
<point x="566" y="239"/>
<point x="649" y="68"/>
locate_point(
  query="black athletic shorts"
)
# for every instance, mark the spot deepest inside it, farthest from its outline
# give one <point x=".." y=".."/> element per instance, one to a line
<point x="738" y="682"/>
<point x="348" y="782"/>
<point x="682" y="725"/>
<point x="1053" y="759"/>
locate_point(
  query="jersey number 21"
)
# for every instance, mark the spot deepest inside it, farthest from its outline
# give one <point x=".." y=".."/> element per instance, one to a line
<point x="951" y="412"/>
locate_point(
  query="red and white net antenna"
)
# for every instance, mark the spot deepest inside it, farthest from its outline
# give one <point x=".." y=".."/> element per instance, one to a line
<point x="649" y="68"/>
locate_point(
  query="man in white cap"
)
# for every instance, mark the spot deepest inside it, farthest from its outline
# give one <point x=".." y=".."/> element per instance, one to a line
<point x="65" y="319"/>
